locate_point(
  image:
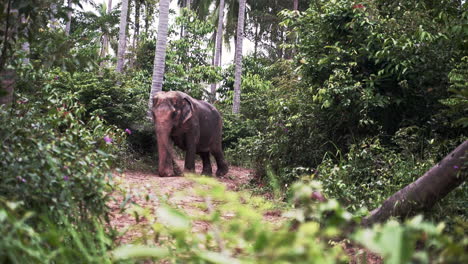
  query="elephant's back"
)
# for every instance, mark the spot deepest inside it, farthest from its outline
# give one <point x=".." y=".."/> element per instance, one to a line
<point x="210" y="126"/>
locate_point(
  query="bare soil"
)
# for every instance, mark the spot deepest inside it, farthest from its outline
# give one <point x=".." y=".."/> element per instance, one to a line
<point x="144" y="188"/>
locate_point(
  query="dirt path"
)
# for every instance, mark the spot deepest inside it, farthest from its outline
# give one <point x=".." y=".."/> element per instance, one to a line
<point x="145" y="189"/>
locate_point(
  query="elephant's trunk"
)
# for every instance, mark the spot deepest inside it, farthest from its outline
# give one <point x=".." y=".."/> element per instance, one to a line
<point x="165" y="167"/>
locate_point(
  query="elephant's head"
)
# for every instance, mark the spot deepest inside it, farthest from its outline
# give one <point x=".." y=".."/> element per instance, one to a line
<point x="171" y="111"/>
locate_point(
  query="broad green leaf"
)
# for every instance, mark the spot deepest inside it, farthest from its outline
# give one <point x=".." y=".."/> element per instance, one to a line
<point x="173" y="218"/>
<point x="129" y="252"/>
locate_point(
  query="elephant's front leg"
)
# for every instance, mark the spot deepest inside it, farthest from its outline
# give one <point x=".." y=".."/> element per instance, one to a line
<point x="190" y="153"/>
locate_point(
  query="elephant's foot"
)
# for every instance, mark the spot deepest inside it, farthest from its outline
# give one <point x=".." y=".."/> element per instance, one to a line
<point x="187" y="170"/>
<point x="207" y="172"/>
<point x="222" y="170"/>
<point x="165" y="174"/>
<point x="177" y="170"/>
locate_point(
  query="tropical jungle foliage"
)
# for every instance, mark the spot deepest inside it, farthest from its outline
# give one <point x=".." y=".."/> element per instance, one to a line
<point x="343" y="103"/>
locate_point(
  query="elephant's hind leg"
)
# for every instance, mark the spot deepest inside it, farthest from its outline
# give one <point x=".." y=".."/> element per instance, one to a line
<point x="206" y="163"/>
<point x="221" y="163"/>
<point x="177" y="170"/>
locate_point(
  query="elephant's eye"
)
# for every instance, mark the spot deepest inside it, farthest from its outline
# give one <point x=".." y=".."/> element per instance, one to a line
<point x="174" y="114"/>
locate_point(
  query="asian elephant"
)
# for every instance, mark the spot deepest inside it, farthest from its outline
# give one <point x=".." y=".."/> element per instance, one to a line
<point x="194" y="126"/>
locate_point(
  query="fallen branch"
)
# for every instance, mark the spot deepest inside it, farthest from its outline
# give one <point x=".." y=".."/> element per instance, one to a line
<point x="423" y="193"/>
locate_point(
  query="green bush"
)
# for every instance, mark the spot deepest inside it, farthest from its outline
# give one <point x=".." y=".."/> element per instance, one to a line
<point x="49" y="241"/>
<point x="53" y="161"/>
<point x="313" y="231"/>
<point x="369" y="173"/>
<point x="100" y="94"/>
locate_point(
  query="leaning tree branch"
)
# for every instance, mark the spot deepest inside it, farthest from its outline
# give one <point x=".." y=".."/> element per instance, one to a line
<point x="423" y="193"/>
<point x="5" y="40"/>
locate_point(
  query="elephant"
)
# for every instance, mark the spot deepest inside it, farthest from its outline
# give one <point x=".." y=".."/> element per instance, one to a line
<point x="194" y="126"/>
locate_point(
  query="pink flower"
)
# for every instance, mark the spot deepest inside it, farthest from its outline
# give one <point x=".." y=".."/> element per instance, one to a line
<point x="108" y="139"/>
<point x="21" y="179"/>
<point x="358" y="6"/>
<point x="66" y="178"/>
<point x="128" y="131"/>
<point x="318" y="196"/>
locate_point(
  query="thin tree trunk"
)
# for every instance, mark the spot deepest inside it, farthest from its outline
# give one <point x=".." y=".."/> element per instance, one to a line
<point x="256" y="40"/>
<point x="69" y="16"/>
<point x="137" y="31"/>
<point x="122" y="36"/>
<point x="291" y="38"/>
<point x="7" y="86"/>
<point x="25" y="45"/>
<point x="160" y="56"/>
<point x="146" y="19"/>
<point x="53" y="20"/>
<point x="183" y="5"/>
<point x="219" y="46"/>
<point x="105" y="39"/>
<point x="137" y="20"/>
<point x="423" y="193"/>
<point x="3" y="56"/>
<point x="238" y="59"/>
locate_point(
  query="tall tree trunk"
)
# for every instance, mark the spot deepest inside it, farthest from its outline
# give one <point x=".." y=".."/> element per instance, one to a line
<point x="122" y="36"/>
<point x="295" y="5"/>
<point x="219" y="46"/>
<point x="256" y="40"/>
<point x="183" y="5"/>
<point x="105" y="39"/>
<point x="7" y="86"/>
<point x="160" y="56"/>
<point x="6" y="33"/>
<point x="146" y="19"/>
<point x="25" y="45"/>
<point x="53" y="19"/>
<point x="69" y="16"/>
<point x="137" y="31"/>
<point x="238" y="59"/>
<point x="423" y="193"/>
<point x="137" y="20"/>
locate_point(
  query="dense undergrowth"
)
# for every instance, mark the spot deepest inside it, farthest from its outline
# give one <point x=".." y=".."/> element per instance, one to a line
<point x="55" y="179"/>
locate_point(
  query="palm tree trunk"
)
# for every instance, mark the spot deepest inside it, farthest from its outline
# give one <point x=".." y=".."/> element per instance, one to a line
<point x="256" y="40"/>
<point x="69" y="16"/>
<point x="434" y="185"/>
<point x="105" y="38"/>
<point x="53" y="20"/>
<point x="122" y="36"/>
<point x="25" y="45"/>
<point x="147" y="18"/>
<point x="160" y="56"/>
<point x="6" y="33"/>
<point x="238" y="58"/>
<point x="219" y="46"/>
<point x="137" y="31"/>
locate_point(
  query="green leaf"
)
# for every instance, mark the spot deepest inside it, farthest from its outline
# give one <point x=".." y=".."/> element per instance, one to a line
<point x="173" y="218"/>
<point x="128" y="252"/>
<point x="218" y="258"/>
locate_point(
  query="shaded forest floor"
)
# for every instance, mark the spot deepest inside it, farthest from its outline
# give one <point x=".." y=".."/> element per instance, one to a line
<point x="146" y="189"/>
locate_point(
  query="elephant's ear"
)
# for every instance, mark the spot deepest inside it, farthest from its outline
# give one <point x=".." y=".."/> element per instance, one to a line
<point x="155" y="100"/>
<point x="187" y="111"/>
